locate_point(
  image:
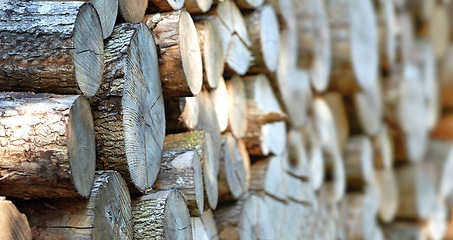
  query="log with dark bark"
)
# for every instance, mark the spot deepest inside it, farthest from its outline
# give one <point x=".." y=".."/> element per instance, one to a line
<point x="47" y="145"/>
<point x="105" y="215"/>
<point x="180" y="64"/>
<point x="60" y="51"/>
<point x="164" y="5"/>
<point x="161" y="215"/>
<point x="181" y="170"/>
<point x="14" y="224"/>
<point x="128" y="110"/>
<point x="201" y="141"/>
<point x="263" y="29"/>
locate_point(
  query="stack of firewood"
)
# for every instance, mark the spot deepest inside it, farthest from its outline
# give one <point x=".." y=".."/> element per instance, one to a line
<point x="233" y="119"/>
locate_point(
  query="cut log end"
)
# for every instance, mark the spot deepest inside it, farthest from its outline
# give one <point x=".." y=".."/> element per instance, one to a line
<point x="107" y="11"/>
<point x="237" y="107"/>
<point x="132" y="11"/>
<point x="81" y="146"/>
<point x="197" y="6"/>
<point x="13" y="224"/>
<point x="89" y="48"/>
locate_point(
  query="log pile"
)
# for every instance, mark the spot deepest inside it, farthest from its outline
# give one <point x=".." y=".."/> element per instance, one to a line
<point x="233" y="119"/>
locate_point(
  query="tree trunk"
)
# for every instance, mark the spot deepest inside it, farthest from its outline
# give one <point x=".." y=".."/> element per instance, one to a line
<point x="202" y="141"/>
<point x="164" y="5"/>
<point x="161" y="215"/>
<point x="47" y="145"/>
<point x="181" y="170"/>
<point x="14" y="224"/>
<point x="180" y="64"/>
<point x="105" y="215"/>
<point x="132" y="11"/>
<point x="65" y="57"/>
<point x="237" y="104"/>
<point x="128" y="110"/>
<point x="263" y="28"/>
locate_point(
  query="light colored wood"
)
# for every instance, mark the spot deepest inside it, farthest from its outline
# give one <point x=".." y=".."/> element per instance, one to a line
<point x="263" y="29"/>
<point x="105" y="215"/>
<point x="202" y="141"/>
<point x="221" y="101"/>
<point x="314" y="48"/>
<point x="249" y="4"/>
<point x="161" y="215"/>
<point x="387" y="188"/>
<point x="297" y="190"/>
<point x="164" y="5"/>
<point x="387" y="26"/>
<point x="132" y="11"/>
<point x="237" y="104"/>
<point x="266" y="133"/>
<point x="438" y="32"/>
<point x="198" y="229"/>
<point x="107" y="11"/>
<point x="180" y="63"/>
<point x="211" y="47"/>
<point x="297" y="163"/>
<point x="325" y="125"/>
<point x="361" y="216"/>
<point x="337" y="107"/>
<point x="210" y="225"/>
<point x="181" y="114"/>
<point x="440" y="156"/>
<point x="267" y="177"/>
<point x="405" y="230"/>
<point x="66" y="57"/>
<point x="238" y="56"/>
<point x="14" y="224"/>
<point x="436" y="224"/>
<point x="358" y="163"/>
<point x="286" y="13"/>
<point x="181" y="170"/>
<point x="368" y="110"/>
<point x="128" y="110"/>
<point x="47" y="145"/>
<point x="293" y="221"/>
<point x="335" y="175"/>
<point x="197" y="6"/>
<point x="354" y="39"/>
<point x="383" y="148"/>
<point x="314" y="153"/>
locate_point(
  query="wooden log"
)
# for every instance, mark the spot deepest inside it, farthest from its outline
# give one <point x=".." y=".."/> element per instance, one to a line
<point x="438" y="30"/>
<point x="314" y="153"/>
<point x="181" y="170"/>
<point x="197" y="6"/>
<point x="238" y="56"/>
<point x="201" y="141"/>
<point x="180" y="64"/>
<point x="421" y="10"/>
<point x="335" y="175"/>
<point x="298" y="190"/>
<point x="436" y="224"/>
<point x="210" y="225"/>
<point x="361" y="221"/>
<point x="325" y="125"/>
<point x="181" y="114"/>
<point x="211" y="47"/>
<point x="263" y="29"/>
<point x="361" y="119"/>
<point x="237" y="103"/>
<point x="221" y="101"/>
<point x="286" y="13"/>
<point x="107" y="11"/>
<point x="267" y="177"/>
<point x="387" y="188"/>
<point x="405" y="230"/>
<point x="128" y="110"/>
<point x="354" y="39"/>
<point x="387" y="30"/>
<point x="65" y="57"/>
<point x="105" y="215"/>
<point x="47" y="145"/>
<point x="14" y="224"/>
<point x="164" y="5"/>
<point x="294" y="221"/>
<point x="296" y="163"/>
<point x="440" y="155"/>
<point x="266" y="133"/>
<point x="234" y="174"/>
<point x="358" y="163"/>
<point x="314" y="47"/>
<point x="198" y="229"/>
<point x="446" y="79"/>
<point x="383" y="148"/>
<point x="406" y="37"/>
<point x="132" y="11"/>
<point x="161" y="215"/>
<point x="417" y="190"/>
<point x="337" y="107"/>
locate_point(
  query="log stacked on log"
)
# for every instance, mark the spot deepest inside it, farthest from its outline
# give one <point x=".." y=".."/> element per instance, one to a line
<point x="280" y="119"/>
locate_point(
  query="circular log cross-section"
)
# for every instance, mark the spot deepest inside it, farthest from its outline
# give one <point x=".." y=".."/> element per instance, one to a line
<point x="108" y="11"/>
<point x="221" y="102"/>
<point x="132" y="11"/>
<point x="47" y="145"/>
<point x="237" y="101"/>
<point x="180" y="56"/>
<point x="161" y="215"/>
<point x="13" y="224"/>
<point x="65" y="57"/>
<point x="181" y="170"/>
<point x="358" y="163"/>
<point x="164" y="5"/>
<point x="105" y="215"/>
<point x="128" y="110"/>
<point x="197" y="6"/>
<point x="354" y="41"/>
<point x="263" y="28"/>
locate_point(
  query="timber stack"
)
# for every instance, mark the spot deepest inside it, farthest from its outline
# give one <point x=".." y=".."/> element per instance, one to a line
<point x="233" y="119"/>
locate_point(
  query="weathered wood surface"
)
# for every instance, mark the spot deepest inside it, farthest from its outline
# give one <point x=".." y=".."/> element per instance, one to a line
<point x="197" y="6"/>
<point x="132" y="11"/>
<point x="181" y="114"/>
<point x="14" y="225"/>
<point x="181" y="170"/>
<point x="47" y="145"/>
<point x="180" y="63"/>
<point x="161" y="215"/>
<point x="237" y="104"/>
<point x="105" y="215"/>
<point x="164" y="5"/>
<point x="60" y="48"/>
<point x="128" y="110"/>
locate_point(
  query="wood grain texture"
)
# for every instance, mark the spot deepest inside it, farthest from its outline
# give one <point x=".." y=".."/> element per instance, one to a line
<point x="132" y="11"/>
<point x="164" y="5"/>
<point x="14" y="224"/>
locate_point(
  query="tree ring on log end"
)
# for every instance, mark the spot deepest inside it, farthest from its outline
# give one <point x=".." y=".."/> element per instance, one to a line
<point x="177" y="218"/>
<point x="89" y="50"/>
<point x="108" y="11"/>
<point x="132" y="11"/>
<point x="270" y="41"/>
<point x="213" y="55"/>
<point x="81" y="146"/>
<point x="143" y="110"/>
<point x="190" y="53"/>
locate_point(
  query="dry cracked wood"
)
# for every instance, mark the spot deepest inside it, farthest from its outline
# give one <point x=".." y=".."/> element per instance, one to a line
<point x="161" y="215"/>
<point x="60" y="48"/>
<point x="47" y="145"/>
<point x="181" y="170"/>
<point x="14" y="224"/>
<point x="105" y="215"/>
<point x="128" y="110"/>
<point x="180" y="63"/>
